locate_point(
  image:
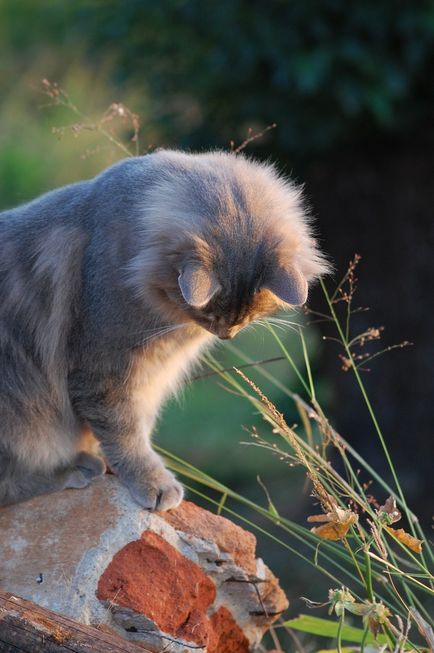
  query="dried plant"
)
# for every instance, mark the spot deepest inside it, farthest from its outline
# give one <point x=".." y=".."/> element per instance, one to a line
<point x="117" y="114"/>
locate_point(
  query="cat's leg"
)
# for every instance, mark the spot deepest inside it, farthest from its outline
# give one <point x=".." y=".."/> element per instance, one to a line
<point x="123" y="425"/>
<point x="19" y="483"/>
<point x="140" y="469"/>
<point x="150" y="483"/>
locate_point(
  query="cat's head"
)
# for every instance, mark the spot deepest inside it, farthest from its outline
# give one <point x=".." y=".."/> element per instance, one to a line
<point x="224" y="304"/>
<point x="231" y="238"/>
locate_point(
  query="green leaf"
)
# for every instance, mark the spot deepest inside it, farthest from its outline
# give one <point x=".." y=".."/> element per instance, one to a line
<point x="328" y="628"/>
<point x="271" y="507"/>
<point x="222" y="503"/>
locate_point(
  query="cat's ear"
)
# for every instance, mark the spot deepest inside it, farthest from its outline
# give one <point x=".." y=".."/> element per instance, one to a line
<point x="288" y="284"/>
<point x="197" y="285"/>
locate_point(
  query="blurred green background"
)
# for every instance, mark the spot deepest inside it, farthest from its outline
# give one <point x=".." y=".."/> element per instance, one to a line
<point x="350" y="86"/>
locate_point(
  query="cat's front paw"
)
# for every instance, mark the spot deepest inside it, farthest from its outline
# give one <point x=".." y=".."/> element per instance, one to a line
<point x="89" y="464"/>
<point x="85" y="468"/>
<point x="157" y="489"/>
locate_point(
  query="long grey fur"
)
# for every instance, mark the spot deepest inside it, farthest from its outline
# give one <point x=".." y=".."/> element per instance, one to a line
<point x="102" y="313"/>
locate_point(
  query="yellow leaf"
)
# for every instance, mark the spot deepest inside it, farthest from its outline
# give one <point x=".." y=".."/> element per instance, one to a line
<point x="338" y="523"/>
<point x="405" y="538"/>
<point x="318" y="518"/>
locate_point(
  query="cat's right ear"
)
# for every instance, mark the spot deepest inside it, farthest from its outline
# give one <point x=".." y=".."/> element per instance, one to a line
<point x="197" y="285"/>
<point x="288" y="284"/>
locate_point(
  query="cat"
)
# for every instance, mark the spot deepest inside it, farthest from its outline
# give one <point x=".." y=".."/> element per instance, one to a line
<point x="111" y="288"/>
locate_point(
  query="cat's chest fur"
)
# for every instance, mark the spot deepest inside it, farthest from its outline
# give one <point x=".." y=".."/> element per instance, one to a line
<point x="158" y="369"/>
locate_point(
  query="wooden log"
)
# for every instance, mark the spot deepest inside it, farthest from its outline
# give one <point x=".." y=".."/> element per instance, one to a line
<point x="28" y="628"/>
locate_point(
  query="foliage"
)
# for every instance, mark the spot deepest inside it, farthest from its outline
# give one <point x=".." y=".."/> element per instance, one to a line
<point x="322" y="70"/>
<point x="328" y="628"/>
<point x="325" y="72"/>
<point x="385" y="575"/>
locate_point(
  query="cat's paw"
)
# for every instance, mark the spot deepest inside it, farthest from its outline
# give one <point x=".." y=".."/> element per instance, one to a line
<point x="89" y="465"/>
<point x="85" y="468"/>
<point x="157" y="490"/>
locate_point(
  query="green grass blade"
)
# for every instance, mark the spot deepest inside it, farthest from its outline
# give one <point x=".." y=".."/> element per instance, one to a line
<point x="328" y="628"/>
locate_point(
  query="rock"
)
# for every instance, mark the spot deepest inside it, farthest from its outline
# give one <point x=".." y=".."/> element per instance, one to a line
<point x="174" y="581"/>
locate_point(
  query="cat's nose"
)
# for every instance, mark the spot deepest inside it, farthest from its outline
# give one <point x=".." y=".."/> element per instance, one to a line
<point x="229" y="333"/>
<point x="226" y="334"/>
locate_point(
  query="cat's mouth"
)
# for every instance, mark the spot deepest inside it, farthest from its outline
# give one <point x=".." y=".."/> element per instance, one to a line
<point x="223" y="333"/>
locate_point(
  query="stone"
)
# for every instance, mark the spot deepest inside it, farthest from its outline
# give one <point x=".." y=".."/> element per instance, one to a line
<point x="173" y="581"/>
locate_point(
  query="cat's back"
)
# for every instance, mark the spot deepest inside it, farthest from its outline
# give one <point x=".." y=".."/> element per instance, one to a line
<point x="59" y="206"/>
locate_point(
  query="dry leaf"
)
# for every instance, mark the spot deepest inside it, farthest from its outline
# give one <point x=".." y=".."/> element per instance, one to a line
<point x="317" y="518"/>
<point x="391" y="510"/>
<point x="336" y="526"/>
<point x="423" y="627"/>
<point x="405" y="538"/>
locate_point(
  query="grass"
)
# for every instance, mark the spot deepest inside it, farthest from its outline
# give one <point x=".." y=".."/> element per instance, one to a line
<point x="380" y="575"/>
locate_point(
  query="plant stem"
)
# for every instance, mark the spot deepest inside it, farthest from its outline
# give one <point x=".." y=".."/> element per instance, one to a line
<point x="370" y="409"/>
<point x="290" y="360"/>
<point x="368" y="576"/>
<point x="314" y="415"/>
<point x="341" y="625"/>
<point x="308" y="368"/>
<point x="363" y="642"/>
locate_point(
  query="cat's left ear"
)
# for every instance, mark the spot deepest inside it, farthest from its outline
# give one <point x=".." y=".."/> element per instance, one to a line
<point x="197" y="285"/>
<point x="288" y="284"/>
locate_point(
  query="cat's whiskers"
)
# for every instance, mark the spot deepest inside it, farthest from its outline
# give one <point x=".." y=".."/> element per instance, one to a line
<point x="253" y="326"/>
<point x="157" y="333"/>
<point x="265" y="323"/>
<point x="281" y="324"/>
<point x="156" y="330"/>
<point x="163" y="330"/>
<point x="282" y="320"/>
<point x="260" y="323"/>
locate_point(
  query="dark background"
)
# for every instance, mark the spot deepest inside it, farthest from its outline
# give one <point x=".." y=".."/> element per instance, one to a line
<point x="350" y="86"/>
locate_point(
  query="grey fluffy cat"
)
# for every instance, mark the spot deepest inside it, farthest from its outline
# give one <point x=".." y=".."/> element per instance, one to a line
<point x="110" y="289"/>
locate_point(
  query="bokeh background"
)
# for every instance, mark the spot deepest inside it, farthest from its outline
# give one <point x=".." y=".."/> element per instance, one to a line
<point x="350" y="86"/>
